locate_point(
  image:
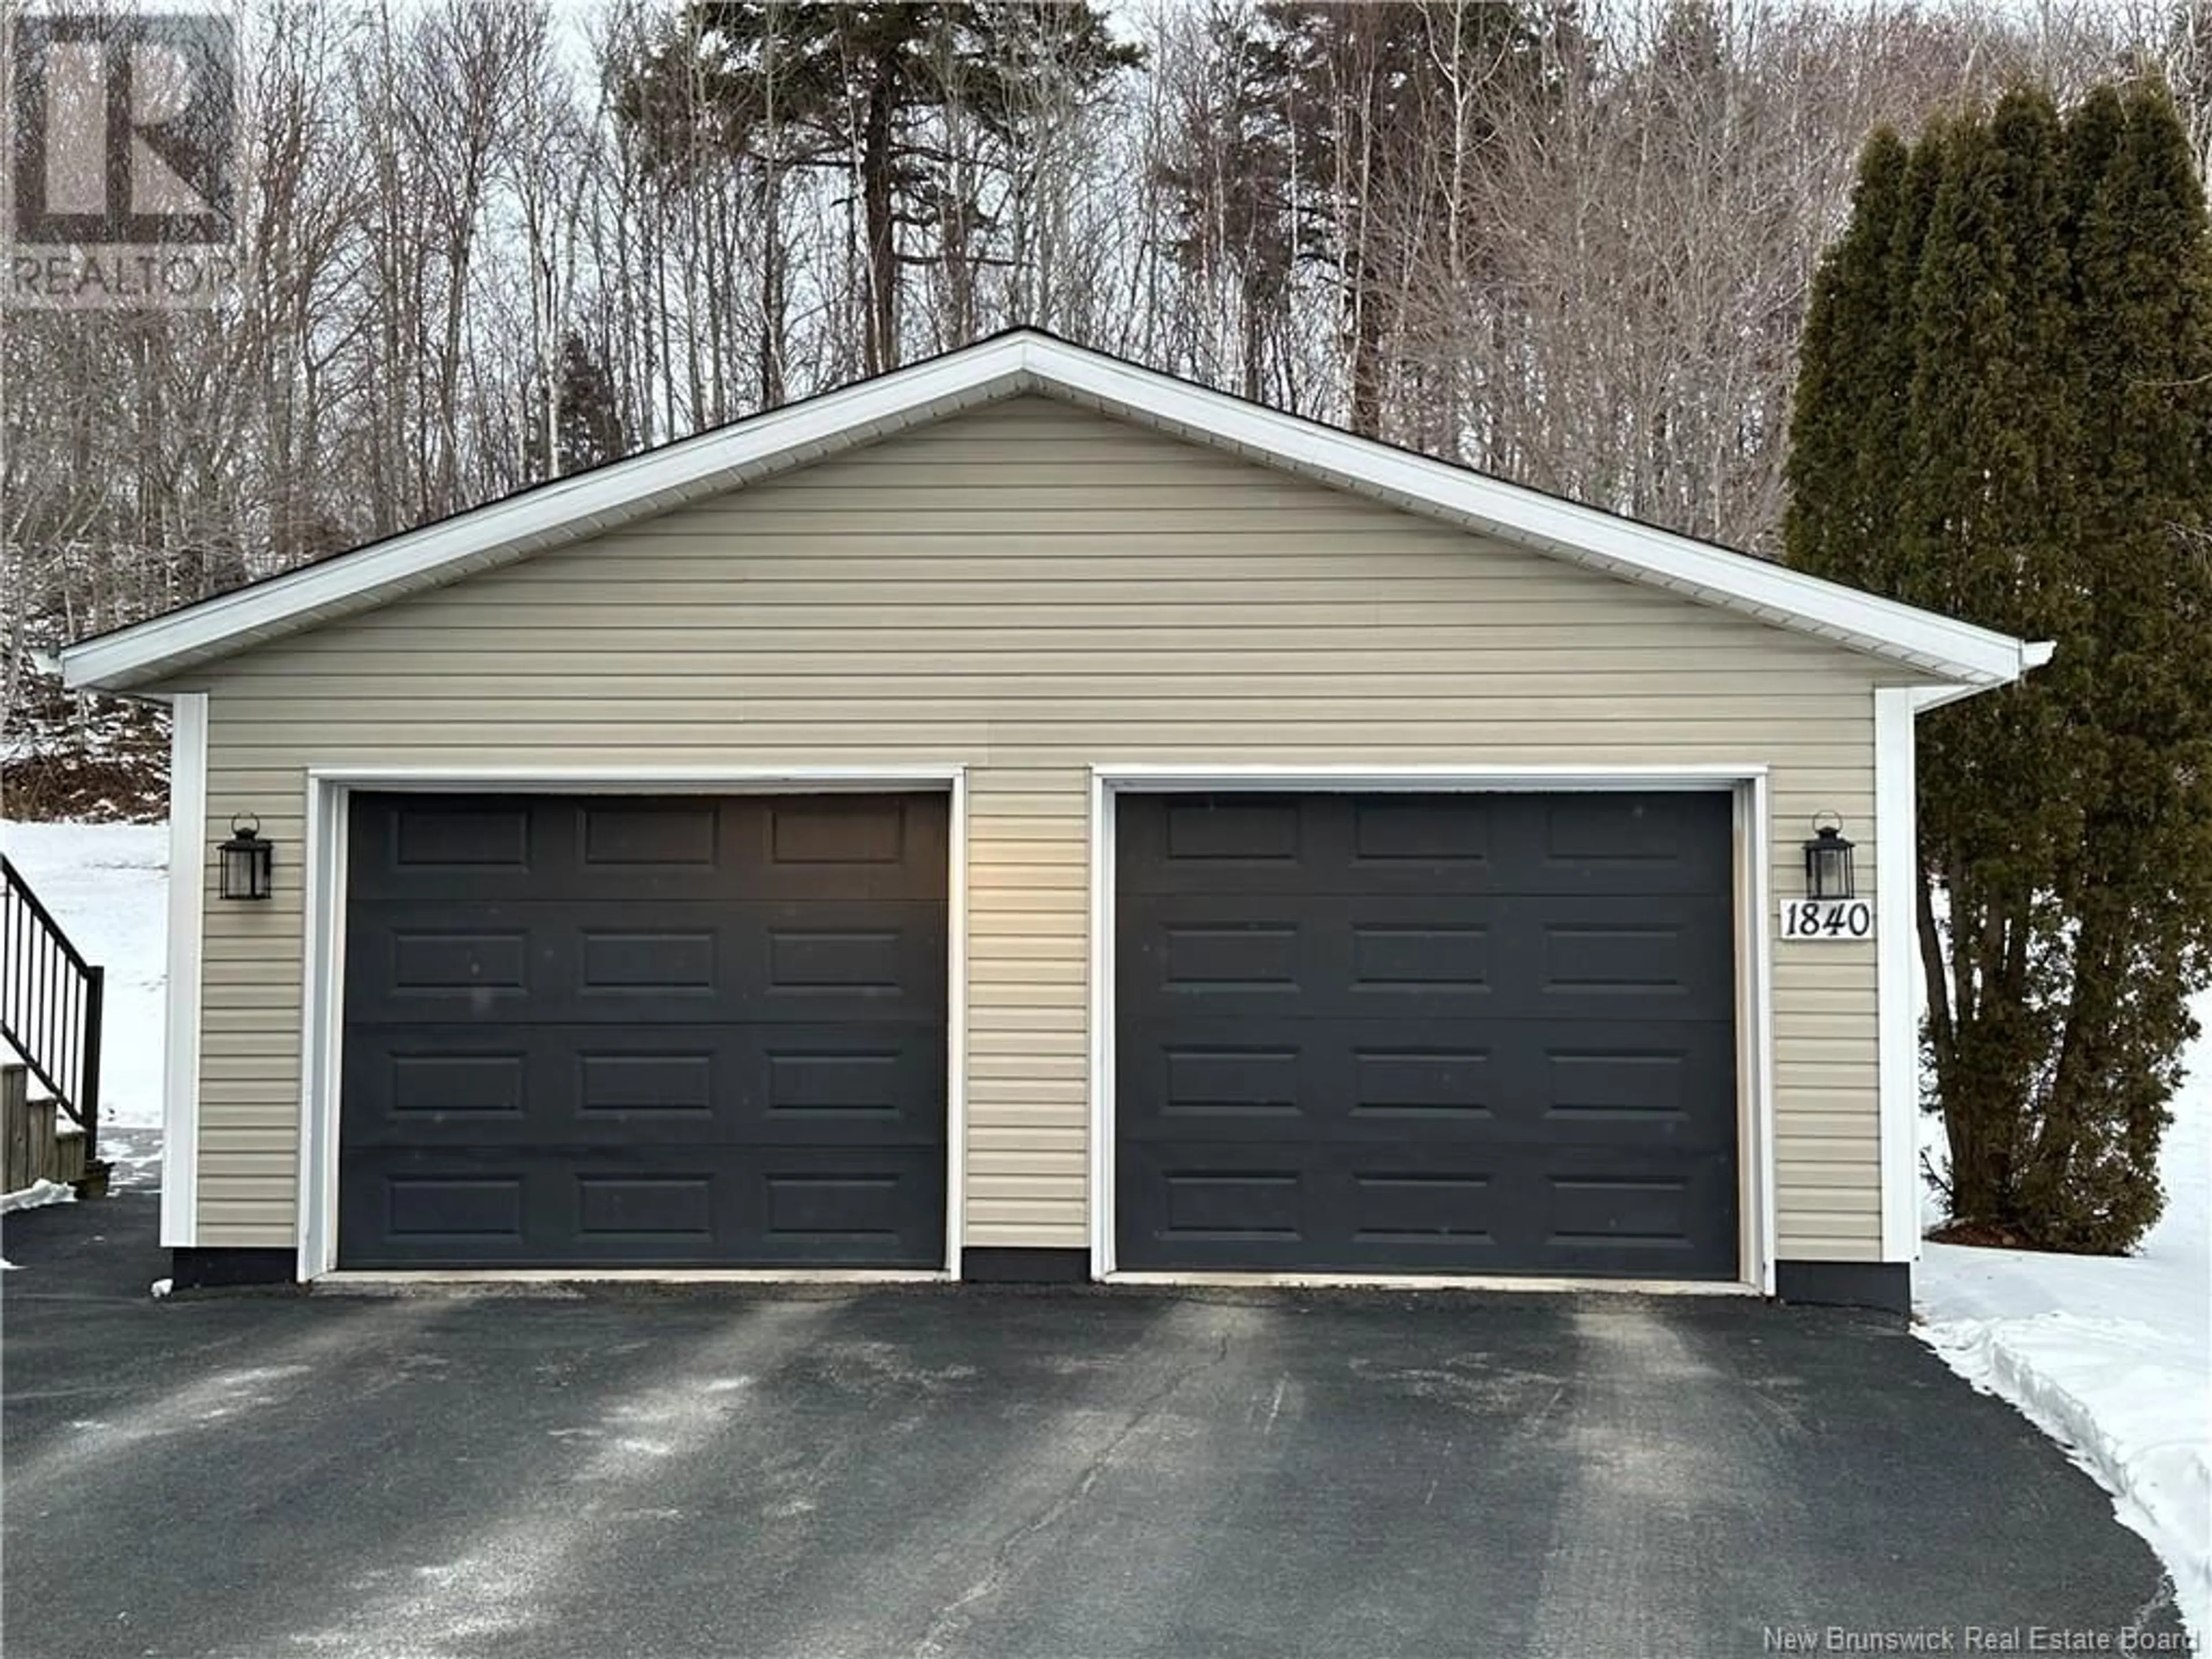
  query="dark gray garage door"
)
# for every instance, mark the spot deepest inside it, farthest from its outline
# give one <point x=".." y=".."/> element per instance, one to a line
<point x="620" y="1031"/>
<point x="1420" y="1033"/>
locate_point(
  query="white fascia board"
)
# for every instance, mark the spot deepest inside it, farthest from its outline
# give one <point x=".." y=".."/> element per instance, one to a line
<point x="1564" y="528"/>
<point x="600" y="499"/>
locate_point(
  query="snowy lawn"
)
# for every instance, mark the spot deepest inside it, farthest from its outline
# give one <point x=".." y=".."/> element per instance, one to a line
<point x="108" y="884"/>
<point x="2111" y="1357"/>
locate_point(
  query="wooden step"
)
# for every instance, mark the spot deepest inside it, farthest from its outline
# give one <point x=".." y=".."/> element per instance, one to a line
<point x="71" y="1159"/>
<point x="37" y="1143"/>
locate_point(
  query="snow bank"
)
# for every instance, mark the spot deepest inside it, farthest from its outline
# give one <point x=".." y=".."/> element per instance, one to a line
<point x="36" y="1196"/>
<point x="2111" y="1357"/>
<point x="108" y="884"/>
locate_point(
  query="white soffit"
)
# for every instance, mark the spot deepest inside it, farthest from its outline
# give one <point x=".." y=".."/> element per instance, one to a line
<point x="780" y="441"/>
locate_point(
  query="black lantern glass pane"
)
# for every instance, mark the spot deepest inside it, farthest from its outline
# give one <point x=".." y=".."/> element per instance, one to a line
<point x="1830" y="874"/>
<point x="246" y="864"/>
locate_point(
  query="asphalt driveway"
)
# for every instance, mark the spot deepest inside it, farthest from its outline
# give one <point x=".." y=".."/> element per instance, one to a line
<point x="693" y="1475"/>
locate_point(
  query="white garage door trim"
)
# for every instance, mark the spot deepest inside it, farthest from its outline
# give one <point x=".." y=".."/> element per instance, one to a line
<point x="1747" y="784"/>
<point x="323" y="1022"/>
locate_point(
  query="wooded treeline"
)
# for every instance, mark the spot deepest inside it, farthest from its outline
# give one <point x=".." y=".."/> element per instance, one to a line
<point x="1571" y="244"/>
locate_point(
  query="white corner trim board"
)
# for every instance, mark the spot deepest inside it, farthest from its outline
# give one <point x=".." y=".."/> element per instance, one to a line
<point x="1897" y="1008"/>
<point x="1006" y="365"/>
<point x="181" y="1039"/>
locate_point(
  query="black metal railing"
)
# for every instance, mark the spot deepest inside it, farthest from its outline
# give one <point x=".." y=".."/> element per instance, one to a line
<point x="50" y="1002"/>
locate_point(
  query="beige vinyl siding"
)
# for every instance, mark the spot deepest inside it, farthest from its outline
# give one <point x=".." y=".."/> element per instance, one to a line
<point x="1030" y="589"/>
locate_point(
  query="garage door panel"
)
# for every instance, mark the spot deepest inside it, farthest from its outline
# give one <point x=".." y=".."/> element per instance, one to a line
<point x="1252" y="1076"/>
<point x="838" y="847"/>
<point x="1627" y="1082"/>
<point x="611" y="1085"/>
<point x="1422" y="845"/>
<point x="582" y="962"/>
<point x="1243" y="842"/>
<point x="1254" y="953"/>
<point x="555" y="1206"/>
<point x="1414" y="1207"/>
<point x="645" y="848"/>
<point x="1410" y="1033"/>
<point x="1605" y="843"/>
<point x="1279" y="844"/>
<point x="1624" y="959"/>
<point x="1490" y="956"/>
<point x="614" y="1030"/>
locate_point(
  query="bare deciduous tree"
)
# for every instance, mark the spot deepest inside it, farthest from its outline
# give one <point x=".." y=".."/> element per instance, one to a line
<point x="1571" y="245"/>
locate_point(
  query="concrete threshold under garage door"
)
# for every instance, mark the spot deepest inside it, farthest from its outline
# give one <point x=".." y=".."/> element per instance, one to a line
<point x="492" y="1280"/>
<point x="1316" y="1281"/>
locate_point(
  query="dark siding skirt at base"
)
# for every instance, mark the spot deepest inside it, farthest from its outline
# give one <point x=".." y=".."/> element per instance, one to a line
<point x="1884" y="1284"/>
<point x="1002" y="1265"/>
<point x="200" y="1268"/>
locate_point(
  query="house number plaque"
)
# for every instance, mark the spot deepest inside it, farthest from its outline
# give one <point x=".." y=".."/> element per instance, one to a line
<point x="1827" y="919"/>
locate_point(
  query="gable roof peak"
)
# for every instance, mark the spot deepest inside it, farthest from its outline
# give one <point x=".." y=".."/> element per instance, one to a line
<point x="1016" y="360"/>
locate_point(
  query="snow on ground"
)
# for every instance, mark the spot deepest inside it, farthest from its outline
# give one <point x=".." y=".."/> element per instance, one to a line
<point x="37" y="1196"/>
<point x="2111" y="1356"/>
<point x="108" y="884"/>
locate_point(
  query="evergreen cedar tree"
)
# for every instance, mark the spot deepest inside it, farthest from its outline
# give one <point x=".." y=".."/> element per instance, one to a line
<point x="2005" y="412"/>
<point x="586" y="414"/>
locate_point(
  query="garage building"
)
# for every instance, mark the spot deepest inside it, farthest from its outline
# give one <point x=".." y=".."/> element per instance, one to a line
<point x="1026" y="816"/>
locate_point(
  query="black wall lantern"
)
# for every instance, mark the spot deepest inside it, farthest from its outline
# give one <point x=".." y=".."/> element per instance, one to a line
<point x="246" y="860"/>
<point x="1828" y="860"/>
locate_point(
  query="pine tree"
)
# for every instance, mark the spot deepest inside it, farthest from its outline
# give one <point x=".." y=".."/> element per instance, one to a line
<point x="861" y="86"/>
<point x="2005" y="412"/>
